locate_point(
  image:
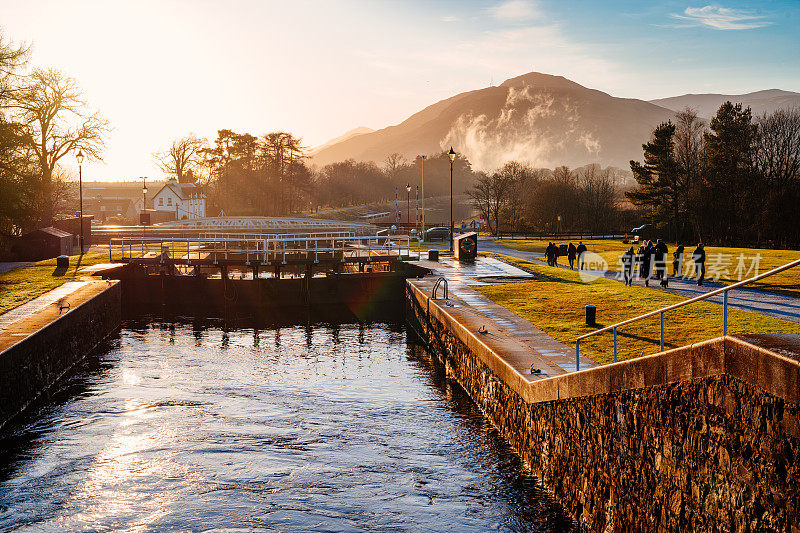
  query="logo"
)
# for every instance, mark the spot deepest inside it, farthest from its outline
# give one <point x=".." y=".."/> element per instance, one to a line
<point x="592" y="267"/>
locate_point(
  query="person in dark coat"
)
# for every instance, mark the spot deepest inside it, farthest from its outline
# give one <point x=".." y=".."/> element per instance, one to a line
<point x="677" y="260"/>
<point x="699" y="258"/>
<point x="647" y="261"/>
<point x="548" y="253"/>
<point x="581" y="249"/>
<point x="572" y="252"/>
<point x="661" y="262"/>
<point x="628" y="262"/>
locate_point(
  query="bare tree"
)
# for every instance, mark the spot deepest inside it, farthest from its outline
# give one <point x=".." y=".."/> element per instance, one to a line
<point x="688" y="141"/>
<point x="182" y="158"/>
<point x="12" y="59"/>
<point x="56" y="120"/>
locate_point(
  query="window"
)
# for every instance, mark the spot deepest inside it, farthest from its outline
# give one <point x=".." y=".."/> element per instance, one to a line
<point x="169" y="200"/>
<point x="160" y="201"/>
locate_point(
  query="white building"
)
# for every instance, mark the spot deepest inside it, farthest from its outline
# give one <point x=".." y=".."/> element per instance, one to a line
<point x="183" y="199"/>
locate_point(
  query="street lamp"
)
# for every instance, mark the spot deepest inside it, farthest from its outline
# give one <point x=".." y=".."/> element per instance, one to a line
<point x="408" y="203"/>
<point x="452" y="155"/>
<point x="143" y="214"/>
<point x="79" y="157"/>
<point x="423" y="197"/>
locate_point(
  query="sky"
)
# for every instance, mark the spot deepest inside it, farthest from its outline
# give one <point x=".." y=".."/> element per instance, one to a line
<point x="159" y="70"/>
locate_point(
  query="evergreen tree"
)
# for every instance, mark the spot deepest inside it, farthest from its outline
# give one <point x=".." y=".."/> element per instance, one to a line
<point x="660" y="187"/>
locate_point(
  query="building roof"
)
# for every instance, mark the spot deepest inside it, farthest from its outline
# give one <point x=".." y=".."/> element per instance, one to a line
<point x="50" y="230"/>
<point x="183" y="190"/>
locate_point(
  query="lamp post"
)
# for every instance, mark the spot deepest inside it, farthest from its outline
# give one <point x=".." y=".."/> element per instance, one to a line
<point x="452" y="155"/>
<point x="144" y="205"/>
<point x="79" y="157"/>
<point x="408" y="203"/>
<point x="423" y="197"/>
<point x="416" y="207"/>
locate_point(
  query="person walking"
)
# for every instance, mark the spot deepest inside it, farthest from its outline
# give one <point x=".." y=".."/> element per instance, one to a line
<point x="572" y="252"/>
<point x="647" y="261"/>
<point x="677" y="260"/>
<point x="699" y="258"/>
<point x="581" y="249"/>
<point x="661" y="255"/>
<point x="628" y="262"/>
<point x="548" y="254"/>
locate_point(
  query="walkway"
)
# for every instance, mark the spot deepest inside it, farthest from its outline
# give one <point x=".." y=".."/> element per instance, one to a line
<point x="766" y="303"/>
<point x="463" y="277"/>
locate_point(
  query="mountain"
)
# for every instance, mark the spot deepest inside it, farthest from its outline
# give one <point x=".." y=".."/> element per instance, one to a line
<point x="350" y="134"/>
<point x="543" y="119"/>
<point x="706" y="105"/>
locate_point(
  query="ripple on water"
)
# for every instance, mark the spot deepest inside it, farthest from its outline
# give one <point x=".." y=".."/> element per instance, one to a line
<point x="335" y="427"/>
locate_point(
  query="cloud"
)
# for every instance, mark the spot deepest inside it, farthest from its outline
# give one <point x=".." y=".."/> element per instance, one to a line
<point x="514" y="10"/>
<point x="721" y="18"/>
<point x="449" y="19"/>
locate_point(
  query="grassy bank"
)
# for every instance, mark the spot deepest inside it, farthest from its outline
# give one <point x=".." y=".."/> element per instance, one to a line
<point x="724" y="260"/>
<point x="555" y="303"/>
<point x="23" y="284"/>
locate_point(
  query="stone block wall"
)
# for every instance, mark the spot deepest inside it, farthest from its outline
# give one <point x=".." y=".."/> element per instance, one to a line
<point x="32" y="365"/>
<point x="671" y="444"/>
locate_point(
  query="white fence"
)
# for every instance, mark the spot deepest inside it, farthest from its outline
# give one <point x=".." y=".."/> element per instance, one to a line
<point x="265" y="249"/>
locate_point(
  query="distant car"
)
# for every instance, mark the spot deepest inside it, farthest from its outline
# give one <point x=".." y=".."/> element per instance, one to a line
<point x="437" y="234"/>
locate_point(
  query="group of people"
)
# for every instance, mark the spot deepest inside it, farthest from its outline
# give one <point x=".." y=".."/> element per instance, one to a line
<point x="551" y="253"/>
<point x="652" y="260"/>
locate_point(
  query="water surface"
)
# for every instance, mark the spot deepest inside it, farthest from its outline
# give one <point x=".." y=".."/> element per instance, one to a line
<point x="189" y="426"/>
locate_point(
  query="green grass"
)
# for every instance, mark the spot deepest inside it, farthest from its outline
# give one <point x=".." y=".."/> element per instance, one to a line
<point x="555" y="303"/>
<point x="23" y="284"/>
<point x="787" y="282"/>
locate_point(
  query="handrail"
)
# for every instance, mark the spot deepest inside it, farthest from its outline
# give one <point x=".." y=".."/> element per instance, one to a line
<point x="706" y="296"/>
<point x="443" y="282"/>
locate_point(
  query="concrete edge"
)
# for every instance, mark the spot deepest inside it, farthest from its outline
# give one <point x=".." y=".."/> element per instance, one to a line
<point x="760" y="367"/>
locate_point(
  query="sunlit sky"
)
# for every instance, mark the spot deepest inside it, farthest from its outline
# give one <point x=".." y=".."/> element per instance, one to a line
<point x="158" y="70"/>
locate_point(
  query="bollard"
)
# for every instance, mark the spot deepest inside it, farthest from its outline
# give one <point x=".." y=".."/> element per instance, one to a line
<point x="591" y="315"/>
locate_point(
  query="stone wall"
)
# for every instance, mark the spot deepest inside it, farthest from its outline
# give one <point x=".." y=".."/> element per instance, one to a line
<point x="678" y="441"/>
<point x="32" y="365"/>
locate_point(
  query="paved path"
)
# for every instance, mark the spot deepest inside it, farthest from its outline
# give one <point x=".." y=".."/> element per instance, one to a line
<point x="765" y="303"/>
<point x="11" y="265"/>
<point x="37" y="304"/>
<point x="462" y="278"/>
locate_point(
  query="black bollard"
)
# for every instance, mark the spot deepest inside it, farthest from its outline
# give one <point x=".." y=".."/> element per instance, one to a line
<point x="591" y="315"/>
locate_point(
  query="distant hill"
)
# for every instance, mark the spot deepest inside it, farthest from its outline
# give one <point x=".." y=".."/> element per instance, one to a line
<point x="706" y="105"/>
<point x="350" y="134"/>
<point x="543" y="119"/>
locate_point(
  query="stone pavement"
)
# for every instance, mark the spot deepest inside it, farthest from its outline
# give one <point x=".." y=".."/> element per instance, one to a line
<point x="463" y="277"/>
<point x="746" y="299"/>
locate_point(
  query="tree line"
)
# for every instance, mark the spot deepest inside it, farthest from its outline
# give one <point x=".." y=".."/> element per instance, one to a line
<point x="43" y="119"/>
<point x="734" y="181"/>
<point x="270" y="175"/>
<point x="518" y="198"/>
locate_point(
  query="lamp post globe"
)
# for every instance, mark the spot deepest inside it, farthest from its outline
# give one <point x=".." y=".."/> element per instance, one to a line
<point x="408" y="203"/>
<point x="452" y="155"/>
<point x="79" y="158"/>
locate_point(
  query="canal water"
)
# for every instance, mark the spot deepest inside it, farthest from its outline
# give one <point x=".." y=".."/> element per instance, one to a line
<point x="190" y="426"/>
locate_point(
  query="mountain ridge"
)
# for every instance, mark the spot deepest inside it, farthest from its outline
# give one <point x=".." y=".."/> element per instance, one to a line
<point x="546" y="120"/>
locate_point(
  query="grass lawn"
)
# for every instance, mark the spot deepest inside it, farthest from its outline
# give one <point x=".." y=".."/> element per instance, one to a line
<point x="555" y="303"/>
<point x="23" y="284"/>
<point x="721" y="261"/>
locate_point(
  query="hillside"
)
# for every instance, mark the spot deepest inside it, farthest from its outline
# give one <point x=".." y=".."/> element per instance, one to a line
<point x="706" y="105"/>
<point x="543" y="119"/>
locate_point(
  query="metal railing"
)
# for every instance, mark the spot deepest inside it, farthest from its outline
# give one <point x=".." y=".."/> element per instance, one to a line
<point x="265" y="249"/>
<point x="724" y="291"/>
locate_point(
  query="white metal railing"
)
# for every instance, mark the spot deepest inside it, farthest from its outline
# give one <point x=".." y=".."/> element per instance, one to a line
<point x="265" y="249"/>
<point x="724" y="291"/>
